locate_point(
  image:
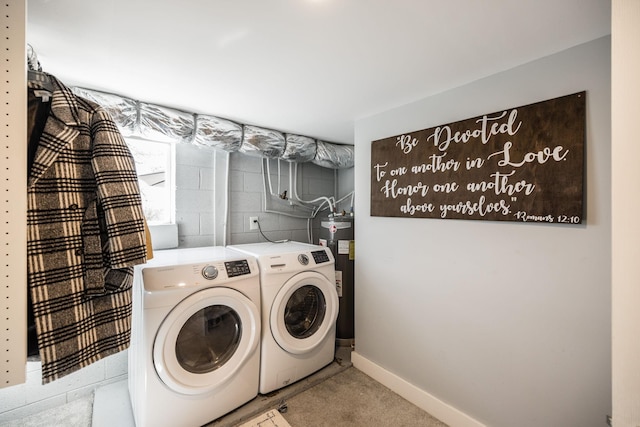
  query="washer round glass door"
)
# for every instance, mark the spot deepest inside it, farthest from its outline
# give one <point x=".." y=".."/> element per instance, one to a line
<point x="205" y="340"/>
<point x="303" y="312"/>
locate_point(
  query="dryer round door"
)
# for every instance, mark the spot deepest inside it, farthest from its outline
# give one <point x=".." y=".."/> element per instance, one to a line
<point x="303" y="312"/>
<point x="205" y="340"/>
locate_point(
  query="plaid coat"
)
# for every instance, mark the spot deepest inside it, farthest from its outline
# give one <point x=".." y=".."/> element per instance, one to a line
<point x="85" y="232"/>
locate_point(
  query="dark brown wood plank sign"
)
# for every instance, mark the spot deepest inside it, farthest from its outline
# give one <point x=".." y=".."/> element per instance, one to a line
<point x="520" y="164"/>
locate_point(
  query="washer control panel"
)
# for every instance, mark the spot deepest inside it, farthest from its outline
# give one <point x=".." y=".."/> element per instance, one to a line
<point x="237" y="268"/>
<point x="201" y="274"/>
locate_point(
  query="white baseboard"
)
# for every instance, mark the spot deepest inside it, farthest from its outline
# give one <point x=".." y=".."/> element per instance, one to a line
<point x="429" y="403"/>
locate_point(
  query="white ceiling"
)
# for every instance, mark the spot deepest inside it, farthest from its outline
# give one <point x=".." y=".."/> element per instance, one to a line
<point x="310" y="67"/>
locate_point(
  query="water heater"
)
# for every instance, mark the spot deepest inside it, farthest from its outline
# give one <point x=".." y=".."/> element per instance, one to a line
<point x="337" y="233"/>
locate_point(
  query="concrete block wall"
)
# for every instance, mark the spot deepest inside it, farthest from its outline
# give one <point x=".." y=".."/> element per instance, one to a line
<point x="194" y="195"/>
<point x="246" y="199"/>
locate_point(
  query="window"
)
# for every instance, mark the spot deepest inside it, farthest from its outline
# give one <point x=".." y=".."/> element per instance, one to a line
<point x="155" y="165"/>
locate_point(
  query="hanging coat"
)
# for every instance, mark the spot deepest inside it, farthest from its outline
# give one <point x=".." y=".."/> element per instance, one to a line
<point x="85" y="232"/>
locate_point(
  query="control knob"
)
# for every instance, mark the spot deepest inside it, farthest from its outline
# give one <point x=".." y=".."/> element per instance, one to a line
<point x="210" y="272"/>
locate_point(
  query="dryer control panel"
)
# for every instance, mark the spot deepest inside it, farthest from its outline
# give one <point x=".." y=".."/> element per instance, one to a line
<point x="320" y="256"/>
<point x="287" y="262"/>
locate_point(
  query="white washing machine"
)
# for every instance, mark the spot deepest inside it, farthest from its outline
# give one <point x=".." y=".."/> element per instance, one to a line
<point x="299" y="310"/>
<point x="195" y="352"/>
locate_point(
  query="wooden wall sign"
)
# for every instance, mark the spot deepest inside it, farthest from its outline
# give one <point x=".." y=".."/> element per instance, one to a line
<point x="520" y="164"/>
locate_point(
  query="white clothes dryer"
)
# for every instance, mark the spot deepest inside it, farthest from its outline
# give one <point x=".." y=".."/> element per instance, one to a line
<point x="194" y="353"/>
<point x="299" y="310"/>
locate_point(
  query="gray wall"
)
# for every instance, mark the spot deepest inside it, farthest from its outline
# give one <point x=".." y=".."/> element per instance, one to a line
<point x="509" y="323"/>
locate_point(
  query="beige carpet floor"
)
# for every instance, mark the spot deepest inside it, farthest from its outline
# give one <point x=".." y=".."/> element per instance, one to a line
<point x="353" y="399"/>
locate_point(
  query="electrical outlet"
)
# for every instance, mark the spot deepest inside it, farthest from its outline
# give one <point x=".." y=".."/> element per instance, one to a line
<point x="253" y="223"/>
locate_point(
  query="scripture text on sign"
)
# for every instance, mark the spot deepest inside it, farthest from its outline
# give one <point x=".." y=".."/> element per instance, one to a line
<point x="521" y="164"/>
